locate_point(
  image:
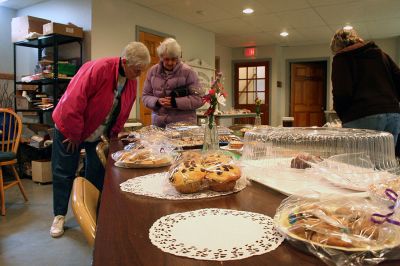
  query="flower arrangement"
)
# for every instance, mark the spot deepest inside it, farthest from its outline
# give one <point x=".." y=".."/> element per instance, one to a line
<point x="258" y="105"/>
<point x="216" y="95"/>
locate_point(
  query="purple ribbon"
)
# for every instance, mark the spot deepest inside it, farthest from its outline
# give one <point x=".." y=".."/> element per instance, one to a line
<point x="386" y="217"/>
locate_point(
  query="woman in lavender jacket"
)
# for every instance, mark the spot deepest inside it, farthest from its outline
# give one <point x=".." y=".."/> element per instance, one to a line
<point x="170" y="89"/>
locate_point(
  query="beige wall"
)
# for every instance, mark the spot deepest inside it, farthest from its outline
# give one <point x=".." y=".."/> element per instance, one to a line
<point x="114" y="25"/>
<point x="280" y="56"/>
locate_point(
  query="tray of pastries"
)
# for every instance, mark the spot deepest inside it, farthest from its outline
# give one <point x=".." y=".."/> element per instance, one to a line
<point x="344" y="224"/>
<point x="143" y="158"/>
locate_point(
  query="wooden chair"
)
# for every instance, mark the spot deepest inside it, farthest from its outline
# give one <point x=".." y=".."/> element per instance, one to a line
<point x="102" y="151"/>
<point x="85" y="200"/>
<point x="10" y="134"/>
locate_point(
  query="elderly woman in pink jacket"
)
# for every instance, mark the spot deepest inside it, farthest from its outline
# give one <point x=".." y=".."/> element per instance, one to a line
<point x="171" y="87"/>
<point x="97" y="102"/>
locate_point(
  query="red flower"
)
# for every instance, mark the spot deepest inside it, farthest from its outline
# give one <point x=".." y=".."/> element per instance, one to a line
<point x="211" y="92"/>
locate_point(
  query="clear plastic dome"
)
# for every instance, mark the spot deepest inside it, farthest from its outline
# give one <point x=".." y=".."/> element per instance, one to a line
<point x="290" y="159"/>
<point x="321" y="142"/>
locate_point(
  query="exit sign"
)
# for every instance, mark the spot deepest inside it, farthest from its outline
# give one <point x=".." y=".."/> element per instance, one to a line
<point x="250" y="51"/>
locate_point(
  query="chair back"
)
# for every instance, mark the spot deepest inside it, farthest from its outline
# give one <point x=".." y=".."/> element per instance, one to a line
<point x="10" y="130"/>
<point x="85" y="200"/>
<point x="102" y="152"/>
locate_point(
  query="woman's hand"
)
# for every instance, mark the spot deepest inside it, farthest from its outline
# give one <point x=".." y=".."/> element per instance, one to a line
<point x="72" y="145"/>
<point x="165" y="102"/>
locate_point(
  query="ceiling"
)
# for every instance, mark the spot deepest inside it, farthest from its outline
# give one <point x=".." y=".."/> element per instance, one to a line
<point x="17" y="4"/>
<point x="306" y="21"/>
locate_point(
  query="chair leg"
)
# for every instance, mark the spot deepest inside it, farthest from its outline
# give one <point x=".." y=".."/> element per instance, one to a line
<point x="3" y="202"/>
<point x="19" y="183"/>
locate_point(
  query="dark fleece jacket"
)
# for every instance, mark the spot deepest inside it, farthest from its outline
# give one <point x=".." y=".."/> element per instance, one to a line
<point x="365" y="82"/>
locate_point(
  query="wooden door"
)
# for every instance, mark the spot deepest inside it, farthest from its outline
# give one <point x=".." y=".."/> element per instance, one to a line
<point x="152" y="42"/>
<point x="308" y="93"/>
<point x="251" y="81"/>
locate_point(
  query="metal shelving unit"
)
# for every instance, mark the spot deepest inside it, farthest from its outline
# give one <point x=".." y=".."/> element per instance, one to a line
<point x="54" y="41"/>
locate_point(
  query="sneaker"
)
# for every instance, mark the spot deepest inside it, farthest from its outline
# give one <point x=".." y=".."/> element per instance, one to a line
<point x="57" y="228"/>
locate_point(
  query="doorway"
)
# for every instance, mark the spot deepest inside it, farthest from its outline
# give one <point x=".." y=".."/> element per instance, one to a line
<point x="308" y="93"/>
<point x="152" y="40"/>
<point x="251" y="81"/>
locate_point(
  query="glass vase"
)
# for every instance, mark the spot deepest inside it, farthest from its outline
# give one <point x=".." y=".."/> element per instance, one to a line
<point x="211" y="140"/>
<point x="257" y="120"/>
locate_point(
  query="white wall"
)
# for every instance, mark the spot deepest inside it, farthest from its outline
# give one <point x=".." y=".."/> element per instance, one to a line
<point x="114" y="25"/>
<point x="6" y="47"/>
<point x="225" y="55"/>
<point x="280" y="56"/>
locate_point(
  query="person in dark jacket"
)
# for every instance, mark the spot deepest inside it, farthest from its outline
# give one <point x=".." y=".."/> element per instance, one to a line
<point x="171" y="87"/>
<point x="366" y="84"/>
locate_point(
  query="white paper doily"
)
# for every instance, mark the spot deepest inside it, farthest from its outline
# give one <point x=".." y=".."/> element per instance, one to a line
<point x="215" y="234"/>
<point x="158" y="186"/>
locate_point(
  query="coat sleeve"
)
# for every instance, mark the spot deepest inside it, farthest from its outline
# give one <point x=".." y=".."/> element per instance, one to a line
<point x="342" y="85"/>
<point x="194" y="100"/>
<point x="148" y="98"/>
<point x="74" y="101"/>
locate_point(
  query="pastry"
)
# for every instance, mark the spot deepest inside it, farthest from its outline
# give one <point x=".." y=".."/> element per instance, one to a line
<point x="235" y="144"/>
<point x="223" y="177"/>
<point x="188" y="177"/>
<point x="214" y="159"/>
<point x="302" y="159"/>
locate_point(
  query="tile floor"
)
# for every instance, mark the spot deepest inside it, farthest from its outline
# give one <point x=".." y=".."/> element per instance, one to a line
<point x="24" y="231"/>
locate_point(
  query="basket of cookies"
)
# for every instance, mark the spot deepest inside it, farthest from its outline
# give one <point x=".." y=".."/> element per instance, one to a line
<point x="194" y="172"/>
<point x="340" y="231"/>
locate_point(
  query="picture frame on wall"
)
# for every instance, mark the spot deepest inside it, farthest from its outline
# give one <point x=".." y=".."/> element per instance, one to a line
<point x="204" y="71"/>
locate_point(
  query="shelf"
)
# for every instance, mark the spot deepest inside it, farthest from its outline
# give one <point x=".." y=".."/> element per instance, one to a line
<point x="34" y="110"/>
<point x="48" y="40"/>
<point x="44" y="81"/>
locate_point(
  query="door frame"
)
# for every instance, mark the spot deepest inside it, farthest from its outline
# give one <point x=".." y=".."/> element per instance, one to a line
<point x="139" y="29"/>
<point x="267" y="59"/>
<point x="325" y="60"/>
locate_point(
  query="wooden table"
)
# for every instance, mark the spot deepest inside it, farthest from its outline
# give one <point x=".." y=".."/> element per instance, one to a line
<point x="124" y="221"/>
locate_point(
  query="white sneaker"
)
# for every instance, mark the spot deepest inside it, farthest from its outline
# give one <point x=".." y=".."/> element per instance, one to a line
<point x="57" y="228"/>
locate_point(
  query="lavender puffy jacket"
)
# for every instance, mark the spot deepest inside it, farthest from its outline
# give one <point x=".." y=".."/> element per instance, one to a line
<point x="158" y="85"/>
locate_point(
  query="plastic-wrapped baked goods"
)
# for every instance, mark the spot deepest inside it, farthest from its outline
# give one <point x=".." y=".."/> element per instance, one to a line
<point x="303" y="160"/>
<point x="153" y="151"/>
<point x="141" y="158"/>
<point x="195" y="172"/>
<point x="340" y="231"/>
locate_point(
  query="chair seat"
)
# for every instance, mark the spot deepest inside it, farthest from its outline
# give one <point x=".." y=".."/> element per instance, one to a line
<point x="7" y="156"/>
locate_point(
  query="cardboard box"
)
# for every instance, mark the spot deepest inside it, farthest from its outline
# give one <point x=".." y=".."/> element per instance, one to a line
<point x="27" y="87"/>
<point x="22" y="102"/>
<point x="41" y="171"/>
<point x="63" y="29"/>
<point x="22" y="26"/>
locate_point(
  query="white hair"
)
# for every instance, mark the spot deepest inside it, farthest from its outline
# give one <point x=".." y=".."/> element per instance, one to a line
<point x="169" y="47"/>
<point x="136" y="54"/>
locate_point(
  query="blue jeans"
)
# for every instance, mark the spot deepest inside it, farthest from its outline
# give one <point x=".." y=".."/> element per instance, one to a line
<point x="389" y="122"/>
<point x="64" y="166"/>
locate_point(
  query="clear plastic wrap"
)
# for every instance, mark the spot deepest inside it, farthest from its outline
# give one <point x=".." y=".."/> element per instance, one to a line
<point x="194" y="171"/>
<point x="340" y="231"/>
<point x="152" y="151"/>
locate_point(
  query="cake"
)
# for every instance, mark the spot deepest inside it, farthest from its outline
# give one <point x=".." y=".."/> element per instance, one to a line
<point x="304" y="160"/>
<point x="195" y="172"/>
